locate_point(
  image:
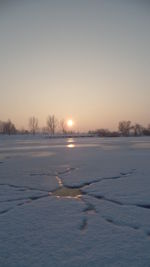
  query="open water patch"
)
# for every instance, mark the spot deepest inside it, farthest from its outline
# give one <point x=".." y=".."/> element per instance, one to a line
<point x="67" y="192"/>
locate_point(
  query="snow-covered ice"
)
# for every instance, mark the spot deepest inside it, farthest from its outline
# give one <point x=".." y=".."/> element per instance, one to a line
<point x="74" y="202"/>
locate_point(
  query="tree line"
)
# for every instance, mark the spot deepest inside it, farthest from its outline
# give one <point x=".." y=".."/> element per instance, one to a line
<point x="53" y="125"/>
<point x="125" y="128"/>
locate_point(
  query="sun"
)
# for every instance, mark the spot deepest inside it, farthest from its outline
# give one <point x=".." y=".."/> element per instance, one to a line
<point x="70" y="123"/>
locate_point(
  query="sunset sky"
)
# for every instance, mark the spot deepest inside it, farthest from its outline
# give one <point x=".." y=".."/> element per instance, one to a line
<point x="88" y="60"/>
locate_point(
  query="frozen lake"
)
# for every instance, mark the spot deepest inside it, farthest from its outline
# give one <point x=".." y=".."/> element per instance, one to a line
<point x="80" y="202"/>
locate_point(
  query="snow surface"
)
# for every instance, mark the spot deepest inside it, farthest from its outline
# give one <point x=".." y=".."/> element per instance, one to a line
<point x="74" y="202"/>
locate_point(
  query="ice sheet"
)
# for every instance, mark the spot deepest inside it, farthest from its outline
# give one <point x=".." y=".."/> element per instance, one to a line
<point x="87" y="204"/>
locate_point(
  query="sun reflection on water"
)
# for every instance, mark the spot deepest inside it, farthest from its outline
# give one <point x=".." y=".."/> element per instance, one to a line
<point x="70" y="140"/>
<point x="71" y="145"/>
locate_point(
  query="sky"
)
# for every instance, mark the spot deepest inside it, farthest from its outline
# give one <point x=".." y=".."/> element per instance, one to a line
<point x="88" y="60"/>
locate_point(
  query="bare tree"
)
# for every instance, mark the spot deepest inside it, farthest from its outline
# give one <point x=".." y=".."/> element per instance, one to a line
<point x="63" y="126"/>
<point x="52" y="124"/>
<point x="33" y="124"/>
<point x="138" y="129"/>
<point x="124" y="127"/>
<point x="146" y="131"/>
<point x="1" y="127"/>
<point x="7" y="127"/>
